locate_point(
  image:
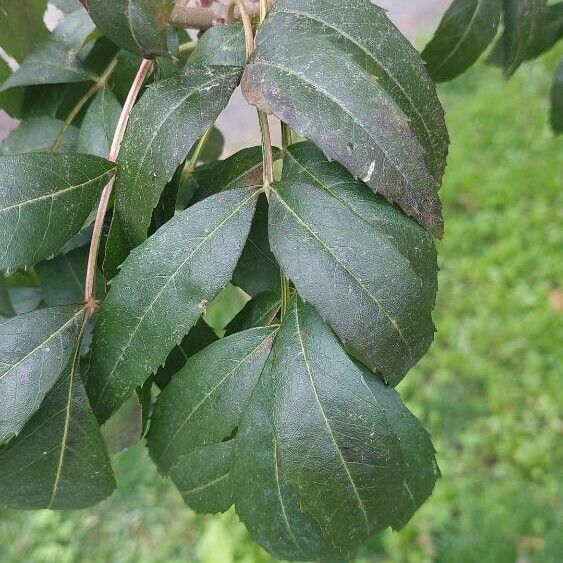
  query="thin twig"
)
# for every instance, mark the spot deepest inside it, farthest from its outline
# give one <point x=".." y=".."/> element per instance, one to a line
<point x="99" y="84"/>
<point x="203" y="18"/>
<point x="89" y="292"/>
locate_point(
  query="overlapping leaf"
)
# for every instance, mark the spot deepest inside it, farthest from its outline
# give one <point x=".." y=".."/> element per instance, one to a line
<point x="45" y="198"/>
<point x="219" y="379"/>
<point x="350" y="82"/>
<point x="466" y="30"/>
<point x="162" y="289"/>
<point x="164" y="126"/>
<point x="38" y="134"/>
<point x="6" y="307"/>
<point x="35" y="349"/>
<point x="56" y="60"/>
<point x="59" y="460"/>
<point x="523" y="21"/>
<point x="140" y="26"/>
<point x="550" y="31"/>
<point x="374" y="280"/>
<point x="259" y="311"/>
<point x="98" y="126"/>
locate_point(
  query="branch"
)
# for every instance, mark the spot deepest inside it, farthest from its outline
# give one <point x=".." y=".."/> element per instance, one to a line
<point x="89" y="296"/>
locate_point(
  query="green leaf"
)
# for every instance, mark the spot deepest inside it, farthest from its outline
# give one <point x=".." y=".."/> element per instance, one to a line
<point x="35" y="348"/>
<point x="466" y="30"/>
<point x="366" y="100"/>
<point x="374" y="280"/>
<point x="199" y="337"/>
<point x="551" y="31"/>
<point x="140" y="26"/>
<point x="162" y="289"/>
<point x="98" y="126"/>
<point x="164" y="125"/>
<point x="38" y="134"/>
<point x="259" y="311"/>
<point x="557" y="99"/>
<point x="45" y="198"/>
<point x="11" y="102"/>
<point x="6" y="308"/>
<point x="325" y="454"/>
<point x="59" y="460"/>
<point x="21" y="26"/>
<point x="203" y="402"/>
<point x="56" y="61"/>
<point x="522" y="24"/>
<point x="62" y="278"/>
<point x="66" y="6"/>
<point x="203" y="478"/>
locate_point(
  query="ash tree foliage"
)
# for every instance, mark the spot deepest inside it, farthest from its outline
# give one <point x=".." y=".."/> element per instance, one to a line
<point x="119" y="226"/>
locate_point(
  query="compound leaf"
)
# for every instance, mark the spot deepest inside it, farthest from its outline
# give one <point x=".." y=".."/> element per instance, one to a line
<point x="56" y="61"/>
<point x="140" y="26"/>
<point x="466" y="30"/>
<point x="162" y="289"/>
<point x="203" y="402"/>
<point x="59" y="460"/>
<point x="375" y="281"/>
<point x="98" y="126"/>
<point x="35" y="348"/>
<point x="350" y="82"/>
<point x="165" y="124"/>
<point x="325" y="454"/>
<point x="45" y="199"/>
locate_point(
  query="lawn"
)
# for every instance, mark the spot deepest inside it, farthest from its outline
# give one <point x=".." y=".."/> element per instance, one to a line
<point x="490" y="390"/>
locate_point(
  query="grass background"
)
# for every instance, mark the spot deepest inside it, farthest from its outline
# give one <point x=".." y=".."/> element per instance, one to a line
<point x="490" y="390"/>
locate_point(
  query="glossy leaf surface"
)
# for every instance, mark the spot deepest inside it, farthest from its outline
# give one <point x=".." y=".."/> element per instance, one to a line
<point x="350" y="82"/>
<point x="466" y="30"/>
<point x="374" y="281"/>
<point x="324" y="451"/>
<point x="162" y="289"/>
<point x="35" y="349"/>
<point x="45" y="198"/>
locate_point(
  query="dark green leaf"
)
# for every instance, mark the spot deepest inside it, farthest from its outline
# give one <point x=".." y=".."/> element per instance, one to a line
<point x="199" y="337"/>
<point x="366" y="99"/>
<point x="140" y="26"/>
<point x="259" y="311"/>
<point x="21" y="26"/>
<point x="98" y="126"/>
<point x="522" y="25"/>
<point x="374" y="280"/>
<point x="164" y="126"/>
<point x="203" y="402"/>
<point x="56" y="60"/>
<point x="551" y="31"/>
<point x="12" y="101"/>
<point x="213" y="147"/>
<point x="38" y="134"/>
<point x="59" y="460"/>
<point x="325" y="455"/>
<point x="466" y="30"/>
<point x="45" y="198"/>
<point x="35" y="348"/>
<point x="557" y="100"/>
<point x="203" y="477"/>
<point x="6" y="308"/>
<point x="62" y="278"/>
<point x="162" y="289"/>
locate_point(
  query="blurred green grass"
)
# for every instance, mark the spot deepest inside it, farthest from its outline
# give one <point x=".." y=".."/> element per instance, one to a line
<point x="490" y="390"/>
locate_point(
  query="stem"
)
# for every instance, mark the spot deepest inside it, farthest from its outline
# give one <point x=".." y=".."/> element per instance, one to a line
<point x="190" y="165"/>
<point x="99" y="84"/>
<point x="287" y="135"/>
<point x="267" y="151"/>
<point x="202" y="18"/>
<point x="89" y="293"/>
